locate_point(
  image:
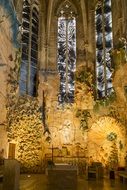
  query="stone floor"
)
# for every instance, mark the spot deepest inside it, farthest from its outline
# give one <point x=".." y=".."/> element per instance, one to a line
<point x="39" y="182"/>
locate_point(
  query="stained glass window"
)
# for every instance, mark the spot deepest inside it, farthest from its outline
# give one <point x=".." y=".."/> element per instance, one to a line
<point x="66" y="53"/>
<point x="104" y="43"/>
<point x="28" y="70"/>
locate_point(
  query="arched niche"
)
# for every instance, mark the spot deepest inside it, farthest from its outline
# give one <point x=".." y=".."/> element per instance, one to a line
<point x="52" y="33"/>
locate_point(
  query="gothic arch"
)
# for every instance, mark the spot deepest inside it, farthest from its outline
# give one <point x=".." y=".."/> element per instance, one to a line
<point x="107" y="132"/>
<point x="66" y="51"/>
<point x="104" y="44"/>
<point x="49" y="44"/>
<point x="29" y="57"/>
<point x="67" y="2"/>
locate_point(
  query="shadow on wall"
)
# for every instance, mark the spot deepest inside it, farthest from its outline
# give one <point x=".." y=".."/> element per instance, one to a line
<point x="10" y="12"/>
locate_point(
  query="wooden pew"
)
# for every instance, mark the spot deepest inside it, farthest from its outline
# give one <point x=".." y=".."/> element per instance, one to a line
<point x="123" y="175"/>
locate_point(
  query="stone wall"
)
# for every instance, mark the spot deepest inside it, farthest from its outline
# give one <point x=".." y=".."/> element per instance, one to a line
<point x="81" y="131"/>
<point x="25" y="130"/>
<point x="3" y="141"/>
<point x="7" y="56"/>
<point x="119" y="27"/>
<point x="83" y="128"/>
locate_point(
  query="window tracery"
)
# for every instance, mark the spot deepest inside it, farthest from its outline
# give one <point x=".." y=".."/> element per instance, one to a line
<point x="28" y="69"/>
<point x="104" y="44"/>
<point x="66" y="43"/>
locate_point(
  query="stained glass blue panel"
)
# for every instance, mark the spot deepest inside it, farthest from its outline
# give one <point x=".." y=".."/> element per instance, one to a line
<point x="28" y="70"/>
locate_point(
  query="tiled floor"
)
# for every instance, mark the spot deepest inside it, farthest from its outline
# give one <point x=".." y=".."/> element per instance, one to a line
<point x="39" y="182"/>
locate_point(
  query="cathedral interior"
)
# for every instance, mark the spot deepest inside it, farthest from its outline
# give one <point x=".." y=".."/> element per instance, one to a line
<point x="63" y="85"/>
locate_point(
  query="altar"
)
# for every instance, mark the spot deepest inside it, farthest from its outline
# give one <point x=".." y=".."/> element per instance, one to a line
<point x="62" y="176"/>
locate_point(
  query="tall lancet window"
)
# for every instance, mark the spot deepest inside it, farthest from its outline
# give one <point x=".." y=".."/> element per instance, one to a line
<point x="28" y="69"/>
<point x="66" y="53"/>
<point x="103" y="20"/>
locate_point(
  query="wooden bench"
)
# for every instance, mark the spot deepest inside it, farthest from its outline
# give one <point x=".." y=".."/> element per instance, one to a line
<point x="94" y="170"/>
<point x="123" y="176"/>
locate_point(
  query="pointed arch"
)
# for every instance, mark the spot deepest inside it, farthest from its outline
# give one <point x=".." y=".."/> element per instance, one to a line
<point x="29" y="59"/>
<point x="66" y="50"/>
<point x="65" y="5"/>
<point x="104" y="44"/>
